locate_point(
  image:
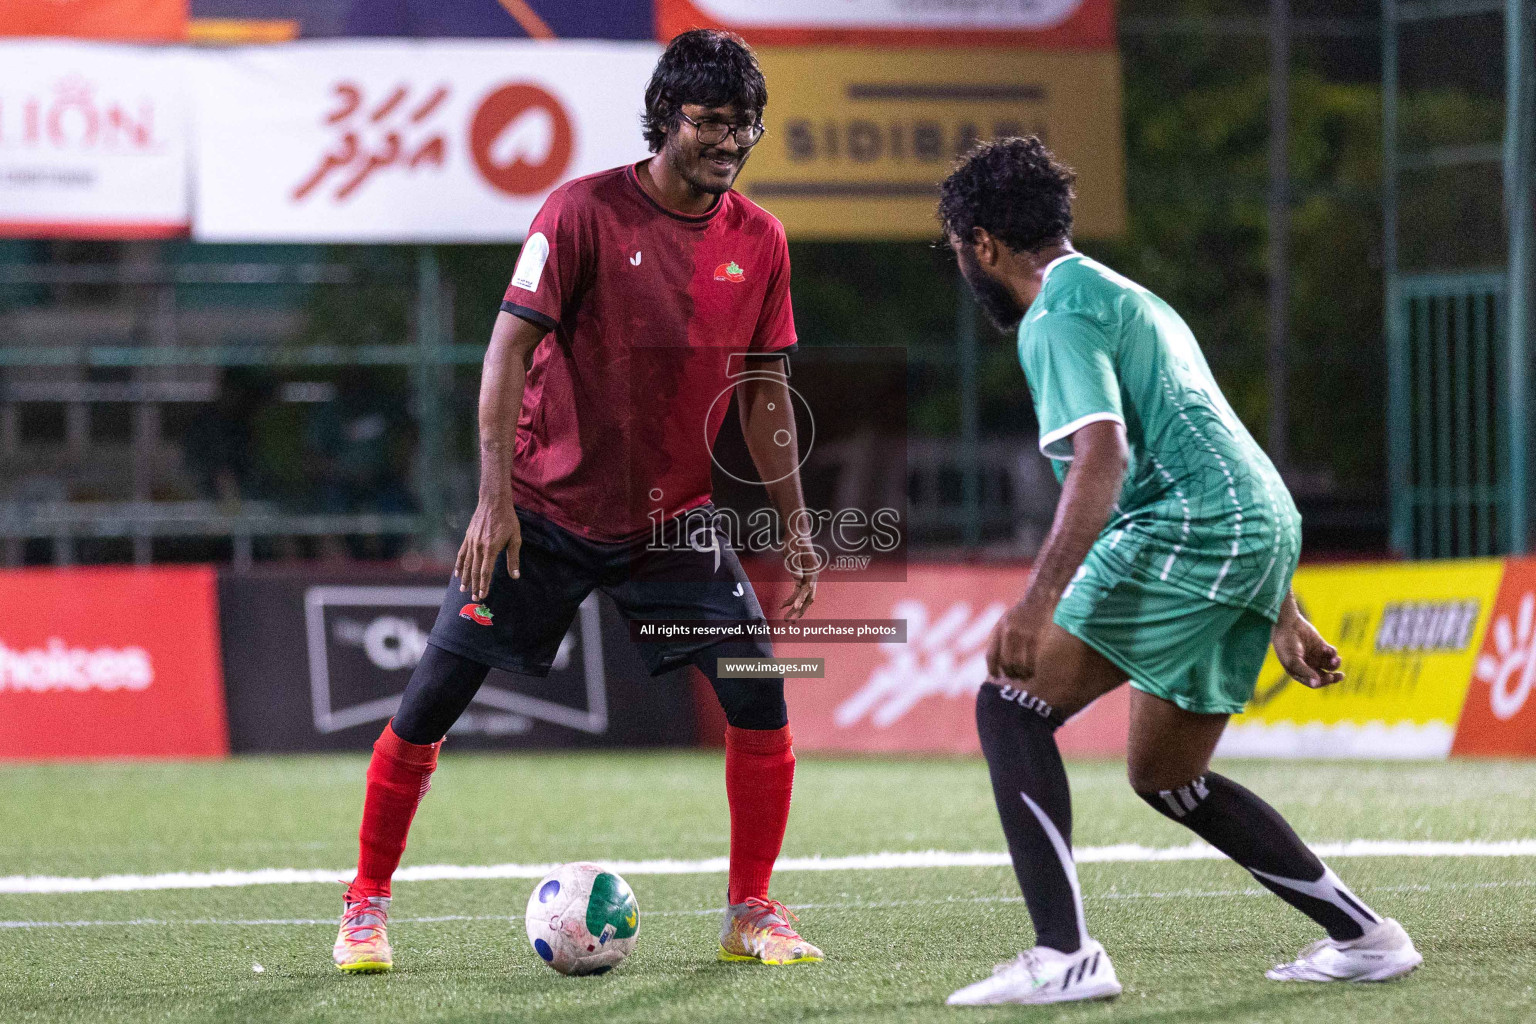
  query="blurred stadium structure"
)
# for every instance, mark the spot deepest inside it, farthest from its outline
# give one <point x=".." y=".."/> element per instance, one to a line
<point x="1366" y="306"/>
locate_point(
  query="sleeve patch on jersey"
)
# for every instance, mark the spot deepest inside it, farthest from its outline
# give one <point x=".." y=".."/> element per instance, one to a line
<point x="530" y="264"/>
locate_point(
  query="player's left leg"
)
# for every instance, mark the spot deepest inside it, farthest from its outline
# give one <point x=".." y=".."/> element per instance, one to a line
<point x="1168" y="759"/>
<point x="704" y="581"/>
<point x="759" y="780"/>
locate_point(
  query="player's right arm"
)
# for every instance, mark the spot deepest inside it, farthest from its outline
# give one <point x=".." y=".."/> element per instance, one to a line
<point x="1070" y="362"/>
<point x="493" y="528"/>
<point x="547" y="279"/>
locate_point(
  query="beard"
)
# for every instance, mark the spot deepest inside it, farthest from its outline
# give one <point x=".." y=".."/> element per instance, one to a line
<point x="992" y="295"/>
<point x="692" y="168"/>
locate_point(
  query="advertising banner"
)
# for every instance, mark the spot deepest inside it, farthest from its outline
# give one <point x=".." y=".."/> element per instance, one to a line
<point x="397" y="141"/>
<point x="534" y="19"/>
<point x="137" y="20"/>
<point x="1064" y="24"/>
<point x="1408" y="635"/>
<point x="349" y="643"/>
<point x="233" y="21"/>
<point x="1499" y="717"/>
<point x="109" y="663"/>
<point x="919" y="696"/>
<point x="93" y="141"/>
<point x="858" y="139"/>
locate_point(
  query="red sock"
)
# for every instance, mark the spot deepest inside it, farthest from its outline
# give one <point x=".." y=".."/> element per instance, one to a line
<point x="398" y="777"/>
<point x="759" y="775"/>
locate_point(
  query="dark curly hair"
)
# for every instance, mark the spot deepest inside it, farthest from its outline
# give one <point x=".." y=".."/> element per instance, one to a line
<point x="705" y="67"/>
<point x="1013" y="188"/>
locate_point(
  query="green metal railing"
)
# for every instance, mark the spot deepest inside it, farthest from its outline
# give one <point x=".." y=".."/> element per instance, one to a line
<point x="1448" y="442"/>
<point x="1459" y="342"/>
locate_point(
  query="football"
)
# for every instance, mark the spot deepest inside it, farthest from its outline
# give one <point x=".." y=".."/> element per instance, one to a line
<point x="582" y="919"/>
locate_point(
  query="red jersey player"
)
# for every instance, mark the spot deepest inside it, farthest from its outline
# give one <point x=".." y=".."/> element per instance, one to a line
<point x="636" y="298"/>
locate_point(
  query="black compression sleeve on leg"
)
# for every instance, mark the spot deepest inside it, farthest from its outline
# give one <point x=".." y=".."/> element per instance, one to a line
<point x="748" y="703"/>
<point x="1018" y="736"/>
<point x="1251" y="832"/>
<point x="441" y="687"/>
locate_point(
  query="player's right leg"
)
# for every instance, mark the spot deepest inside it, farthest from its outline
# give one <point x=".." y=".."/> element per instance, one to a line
<point x="1017" y="725"/>
<point x="518" y="627"/>
<point x="399" y="775"/>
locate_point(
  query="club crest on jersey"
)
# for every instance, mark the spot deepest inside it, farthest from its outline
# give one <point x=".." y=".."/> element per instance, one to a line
<point x="476" y="613"/>
<point x="730" y="272"/>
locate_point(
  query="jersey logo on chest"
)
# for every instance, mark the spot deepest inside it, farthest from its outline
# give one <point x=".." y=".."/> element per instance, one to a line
<point x="731" y="272"/>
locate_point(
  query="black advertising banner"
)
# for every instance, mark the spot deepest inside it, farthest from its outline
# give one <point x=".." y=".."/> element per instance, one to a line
<point x="317" y="660"/>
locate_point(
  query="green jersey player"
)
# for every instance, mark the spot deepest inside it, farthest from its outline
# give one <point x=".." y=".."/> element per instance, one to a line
<point x="1168" y="566"/>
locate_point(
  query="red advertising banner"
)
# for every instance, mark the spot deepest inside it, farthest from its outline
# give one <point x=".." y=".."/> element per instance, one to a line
<point x="919" y="696"/>
<point x="110" y="663"/>
<point x="1046" y="24"/>
<point x="1499" y="716"/>
<point x="137" y="20"/>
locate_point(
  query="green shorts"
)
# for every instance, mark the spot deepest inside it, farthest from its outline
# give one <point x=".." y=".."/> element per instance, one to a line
<point x="1203" y="656"/>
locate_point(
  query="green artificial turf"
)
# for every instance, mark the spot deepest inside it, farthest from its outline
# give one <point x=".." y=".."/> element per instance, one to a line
<point x="1190" y="939"/>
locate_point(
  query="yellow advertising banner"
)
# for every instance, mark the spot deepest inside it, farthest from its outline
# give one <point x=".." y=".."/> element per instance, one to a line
<point x="859" y="138"/>
<point x="1408" y="636"/>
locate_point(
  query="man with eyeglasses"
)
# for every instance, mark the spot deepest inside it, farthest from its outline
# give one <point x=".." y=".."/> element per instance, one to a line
<point x="639" y="298"/>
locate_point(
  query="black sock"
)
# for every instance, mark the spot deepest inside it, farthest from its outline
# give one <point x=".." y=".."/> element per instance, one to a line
<point x="440" y="689"/>
<point x="1018" y="736"/>
<point x="1251" y="832"/>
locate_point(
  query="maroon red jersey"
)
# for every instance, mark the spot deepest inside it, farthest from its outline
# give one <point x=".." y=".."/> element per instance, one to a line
<point x="645" y="307"/>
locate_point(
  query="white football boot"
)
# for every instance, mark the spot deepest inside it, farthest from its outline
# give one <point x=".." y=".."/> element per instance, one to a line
<point x="1384" y="952"/>
<point x="1045" y="975"/>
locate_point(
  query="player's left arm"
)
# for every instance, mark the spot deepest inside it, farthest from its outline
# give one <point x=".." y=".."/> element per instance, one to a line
<point x="1100" y="455"/>
<point x="1303" y="653"/>
<point x="768" y="423"/>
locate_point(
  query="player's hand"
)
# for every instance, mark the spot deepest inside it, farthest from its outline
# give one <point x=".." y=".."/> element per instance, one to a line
<point x="1303" y="653"/>
<point x="1016" y="640"/>
<point x="493" y="529"/>
<point x="804" y="565"/>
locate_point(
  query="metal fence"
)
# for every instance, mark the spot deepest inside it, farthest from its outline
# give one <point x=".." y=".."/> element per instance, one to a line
<point x="1449" y="442"/>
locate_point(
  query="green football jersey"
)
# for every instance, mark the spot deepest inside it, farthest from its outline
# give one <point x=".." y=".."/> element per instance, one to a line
<point x="1202" y="508"/>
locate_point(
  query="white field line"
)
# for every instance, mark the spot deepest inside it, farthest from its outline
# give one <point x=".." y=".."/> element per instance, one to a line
<point x="141" y="922"/>
<point x="1121" y="854"/>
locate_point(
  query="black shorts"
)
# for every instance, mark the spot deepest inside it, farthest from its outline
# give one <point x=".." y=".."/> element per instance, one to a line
<point x="529" y="616"/>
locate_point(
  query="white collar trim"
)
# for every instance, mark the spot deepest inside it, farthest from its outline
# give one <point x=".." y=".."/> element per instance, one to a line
<point x="1052" y="266"/>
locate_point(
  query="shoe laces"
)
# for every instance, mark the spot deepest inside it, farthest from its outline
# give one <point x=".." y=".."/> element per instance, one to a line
<point x="761" y="908"/>
<point x="1314" y="948"/>
<point x="1027" y="961"/>
<point x="353" y="926"/>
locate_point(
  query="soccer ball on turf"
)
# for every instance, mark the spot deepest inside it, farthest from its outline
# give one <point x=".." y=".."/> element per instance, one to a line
<point x="582" y="919"/>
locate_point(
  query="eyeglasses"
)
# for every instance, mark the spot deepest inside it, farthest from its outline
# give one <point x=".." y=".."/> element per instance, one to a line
<point x="712" y="133"/>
